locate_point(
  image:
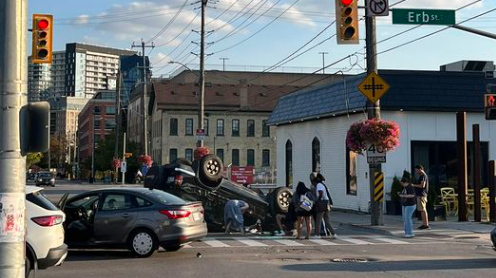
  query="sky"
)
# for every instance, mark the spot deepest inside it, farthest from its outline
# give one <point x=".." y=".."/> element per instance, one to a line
<point x="258" y="34"/>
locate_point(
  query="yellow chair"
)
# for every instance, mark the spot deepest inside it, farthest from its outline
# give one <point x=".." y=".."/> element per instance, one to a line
<point x="449" y="200"/>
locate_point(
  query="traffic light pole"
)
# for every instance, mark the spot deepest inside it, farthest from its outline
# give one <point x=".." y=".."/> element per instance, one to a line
<point x="373" y="112"/>
<point x="201" y="97"/>
<point x="13" y="95"/>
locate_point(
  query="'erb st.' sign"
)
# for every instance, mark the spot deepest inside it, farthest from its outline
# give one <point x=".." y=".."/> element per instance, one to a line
<point x="421" y="16"/>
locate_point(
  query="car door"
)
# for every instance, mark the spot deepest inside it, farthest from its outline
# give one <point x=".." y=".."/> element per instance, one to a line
<point x="79" y="213"/>
<point x="115" y="218"/>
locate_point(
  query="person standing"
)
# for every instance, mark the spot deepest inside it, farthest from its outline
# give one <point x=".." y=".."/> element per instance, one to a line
<point x="323" y="204"/>
<point x="408" y="200"/>
<point x="421" y="192"/>
<point x="303" y="207"/>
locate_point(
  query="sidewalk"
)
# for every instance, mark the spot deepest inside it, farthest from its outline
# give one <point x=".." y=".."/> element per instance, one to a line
<point x="393" y="225"/>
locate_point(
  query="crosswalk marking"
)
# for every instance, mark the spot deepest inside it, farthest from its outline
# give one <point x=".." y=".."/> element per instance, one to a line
<point x="355" y="241"/>
<point x="390" y="240"/>
<point x="288" y="242"/>
<point x="323" y="242"/>
<point x="250" y="242"/>
<point x="215" y="243"/>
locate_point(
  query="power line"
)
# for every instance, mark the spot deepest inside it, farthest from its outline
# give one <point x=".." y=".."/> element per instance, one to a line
<point x="180" y="33"/>
<point x="260" y="30"/>
<point x="171" y="21"/>
<point x="235" y="17"/>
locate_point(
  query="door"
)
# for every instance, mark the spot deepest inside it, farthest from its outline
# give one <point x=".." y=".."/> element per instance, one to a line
<point x="79" y="218"/>
<point x="115" y="218"/>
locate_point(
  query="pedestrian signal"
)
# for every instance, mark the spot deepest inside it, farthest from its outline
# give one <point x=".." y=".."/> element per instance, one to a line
<point x="42" y="39"/>
<point x="490" y="106"/>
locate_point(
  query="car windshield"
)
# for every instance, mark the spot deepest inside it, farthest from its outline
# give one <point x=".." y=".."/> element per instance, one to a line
<point x="164" y="198"/>
<point x="38" y="198"/>
<point x="44" y="175"/>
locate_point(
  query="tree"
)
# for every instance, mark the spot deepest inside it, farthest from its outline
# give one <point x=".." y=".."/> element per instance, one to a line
<point x="32" y="159"/>
<point x="58" y="150"/>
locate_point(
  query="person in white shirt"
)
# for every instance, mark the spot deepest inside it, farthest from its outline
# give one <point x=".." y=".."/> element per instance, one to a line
<point x="323" y="204"/>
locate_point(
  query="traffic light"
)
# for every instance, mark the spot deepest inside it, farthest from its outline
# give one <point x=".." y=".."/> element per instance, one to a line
<point x="490" y="106"/>
<point x="347" y="21"/>
<point x="42" y="39"/>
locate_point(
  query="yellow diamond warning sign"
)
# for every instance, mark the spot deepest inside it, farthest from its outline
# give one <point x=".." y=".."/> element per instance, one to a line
<point x="373" y="87"/>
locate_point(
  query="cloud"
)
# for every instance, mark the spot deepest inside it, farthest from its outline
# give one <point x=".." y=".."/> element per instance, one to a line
<point x="440" y="4"/>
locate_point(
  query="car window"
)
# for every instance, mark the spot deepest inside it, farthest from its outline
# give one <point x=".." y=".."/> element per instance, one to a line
<point x="39" y="199"/>
<point x="44" y="175"/>
<point x="142" y="202"/>
<point x="86" y="202"/>
<point x="165" y="198"/>
<point x="117" y="202"/>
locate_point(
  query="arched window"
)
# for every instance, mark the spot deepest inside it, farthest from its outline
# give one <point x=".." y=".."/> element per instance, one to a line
<point x="316" y="155"/>
<point x="289" y="163"/>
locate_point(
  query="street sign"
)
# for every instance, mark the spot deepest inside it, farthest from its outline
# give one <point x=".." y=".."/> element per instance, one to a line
<point x="422" y="16"/>
<point x="379" y="187"/>
<point x="123" y="167"/>
<point x="378" y="7"/>
<point x="200" y="133"/>
<point x="375" y="155"/>
<point x="373" y="87"/>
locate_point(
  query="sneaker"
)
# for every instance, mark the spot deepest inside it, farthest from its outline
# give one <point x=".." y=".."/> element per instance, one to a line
<point x="408" y="236"/>
<point x="334" y="236"/>
<point x="423" y="227"/>
<point x="280" y="233"/>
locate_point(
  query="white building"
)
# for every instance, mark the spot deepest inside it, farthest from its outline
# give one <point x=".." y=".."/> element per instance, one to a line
<point x="312" y="127"/>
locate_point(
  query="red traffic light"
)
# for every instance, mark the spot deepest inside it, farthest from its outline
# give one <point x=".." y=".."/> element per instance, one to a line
<point x="346" y="2"/>
<point x="43" y="24"/>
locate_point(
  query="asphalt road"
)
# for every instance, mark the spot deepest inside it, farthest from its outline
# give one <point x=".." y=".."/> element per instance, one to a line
<point x="256" y="256"/>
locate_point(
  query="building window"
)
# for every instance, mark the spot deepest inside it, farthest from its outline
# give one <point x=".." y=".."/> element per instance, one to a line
<point x="110" y="124"/>
<point x="250" y="157"/>
<point x="265" y="129"/>
<point x="235" y="157"/>
<point x="265" y="158"/>
<point x="110" y="110"/>
<point x="172" y="155"/>
<point x="96" y="110"/>
<point x="205" y="126"/>
<point x="351" y="172"/>
<point x="220" y="127"/>
<point x="188" y="154"/>
<point x="189" y="127"/>
<point x="220" y="154"/>
<point x="250" y="128"/>
<point x="235" y="128"/>
<point x="97" y="124"/>
<point x="173" y="127"/>
<point x="289" y="163"/>
<point x="316" y="155"/>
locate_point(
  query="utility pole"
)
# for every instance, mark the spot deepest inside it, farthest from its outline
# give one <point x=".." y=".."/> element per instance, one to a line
<point x="143" y="101"/>
<point x="201" y="96"/>
<point x="373" y="112"/>
<point x="118" y="121"/>
<point x="323" y="60"/>
<point x="224" y="63"/>
<point x="13" y="95"/>
<point x="124" y="157"/>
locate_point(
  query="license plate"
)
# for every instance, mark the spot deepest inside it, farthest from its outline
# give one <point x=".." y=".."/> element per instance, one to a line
<point x="197" y="216"/>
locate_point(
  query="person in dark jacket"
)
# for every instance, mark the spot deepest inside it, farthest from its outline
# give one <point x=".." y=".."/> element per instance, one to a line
<point x="408" y="202"/>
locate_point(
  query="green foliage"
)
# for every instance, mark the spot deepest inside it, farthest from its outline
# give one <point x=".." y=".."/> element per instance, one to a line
<point x="33" y="158"/>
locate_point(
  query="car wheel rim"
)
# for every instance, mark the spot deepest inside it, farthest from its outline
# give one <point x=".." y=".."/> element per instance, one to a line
<point x="142" y="243"/>
<point x="284" y="199"/>
<point x="213" y="167"/>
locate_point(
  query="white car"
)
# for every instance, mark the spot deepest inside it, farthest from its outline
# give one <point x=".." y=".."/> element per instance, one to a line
<point x="45" y="233"/>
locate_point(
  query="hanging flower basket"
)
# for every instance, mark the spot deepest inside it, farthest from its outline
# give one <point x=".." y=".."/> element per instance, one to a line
<point x="201" y="152"/>
<point x="116" y="163"/>
<point x="383" y="134"/>
<point x="146" y="160"/>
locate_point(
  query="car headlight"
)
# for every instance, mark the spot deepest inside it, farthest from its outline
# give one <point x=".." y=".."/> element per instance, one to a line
<point x="52" y="180"/>
<point x="40" y="180"/>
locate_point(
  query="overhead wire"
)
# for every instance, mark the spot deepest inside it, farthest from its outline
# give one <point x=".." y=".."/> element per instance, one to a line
<point x="169" y="23"/>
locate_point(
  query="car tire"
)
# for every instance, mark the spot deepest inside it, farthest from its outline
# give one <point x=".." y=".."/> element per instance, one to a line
<point x="211" y="169"/>
<point x="282" y="197"/>
<point x="172" y="248"/>
<point x="28" y="265"/>
<point x="142" y="243"/>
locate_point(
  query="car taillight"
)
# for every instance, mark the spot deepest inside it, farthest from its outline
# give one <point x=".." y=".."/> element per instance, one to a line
<point x="48" y="221"/>
<point x="175" y="214"/>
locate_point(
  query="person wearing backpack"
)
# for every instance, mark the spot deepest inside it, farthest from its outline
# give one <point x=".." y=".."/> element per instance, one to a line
<point x="322" y="205"/>
<point x="303" y="207"/>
